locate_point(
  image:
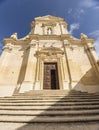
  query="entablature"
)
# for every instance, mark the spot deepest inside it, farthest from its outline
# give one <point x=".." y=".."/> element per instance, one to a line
<point x="48" y="51"/>
<point x="63" y="37"/>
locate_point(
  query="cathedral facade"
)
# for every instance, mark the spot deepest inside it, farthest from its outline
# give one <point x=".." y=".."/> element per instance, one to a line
<point x="48" y="58"/>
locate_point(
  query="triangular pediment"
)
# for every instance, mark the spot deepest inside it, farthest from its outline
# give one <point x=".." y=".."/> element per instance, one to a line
<point x="48" y="17"/>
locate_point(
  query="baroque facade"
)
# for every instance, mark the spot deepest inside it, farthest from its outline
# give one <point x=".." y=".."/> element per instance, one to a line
<point x="48" y="58"/>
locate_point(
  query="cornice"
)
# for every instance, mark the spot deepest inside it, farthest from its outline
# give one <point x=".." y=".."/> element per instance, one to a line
<point x="87" y="40"/>
<point x="62" y="37"/>
<point x="70" y="38"/>
<point x="9" y="40"/>
<point x="31" y="37"/>
<point x="48" y="18"/>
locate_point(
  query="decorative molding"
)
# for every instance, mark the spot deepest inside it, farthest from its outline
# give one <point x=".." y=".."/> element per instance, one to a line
<point x="90" y="49"/>
<point x="36" y="37"/>
<point x="8" y="47"/>
<point x="49" y="24"/>
<point x="32" y="24"/>
<point x="49" y="51"/>
<point x="48" y="18"/>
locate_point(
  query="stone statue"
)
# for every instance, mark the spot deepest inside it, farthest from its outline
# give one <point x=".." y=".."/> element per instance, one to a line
<point x="14" y="36"/>
<point x="83" y="35"/>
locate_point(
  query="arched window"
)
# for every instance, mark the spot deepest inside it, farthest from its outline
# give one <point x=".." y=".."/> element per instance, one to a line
<point x="49" y="31"/>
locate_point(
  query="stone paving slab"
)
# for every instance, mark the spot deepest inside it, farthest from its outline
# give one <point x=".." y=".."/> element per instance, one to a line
<point x="49" y="126"/>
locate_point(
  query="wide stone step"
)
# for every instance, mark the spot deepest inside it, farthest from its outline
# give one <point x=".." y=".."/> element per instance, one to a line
<point x="54" y="113"/>
<point x="53" y="92"/>
<point x="48" y="107"/>
<point x="49" y="100"/>
<point x="55" y="96"/>
<point x="45" y="92"/>
<point x="46" y="103"/>
<point x="48" y="119"/>
<point x="41" y="102"/>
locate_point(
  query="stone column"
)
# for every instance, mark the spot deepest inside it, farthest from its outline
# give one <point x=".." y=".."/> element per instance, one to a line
<point x="37" y="74"/>
<point x="41" y="74"/>
<point x="29" y="77"/>
<point x="60" y="73"/>
<point x="68" y="84"/>
<point x="67" y="62"/>
<point x="93" y="59"/>
<point x="92" y="50"/>
<point x="65" y="74"/>
<point x="89" y="48"/>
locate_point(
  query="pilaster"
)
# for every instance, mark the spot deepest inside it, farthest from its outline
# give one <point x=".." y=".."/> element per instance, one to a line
<point x="89" y="49"/>
<point x="66" y="48"/>
<point x="29" y="77"/>
<point x="37" y="75"/>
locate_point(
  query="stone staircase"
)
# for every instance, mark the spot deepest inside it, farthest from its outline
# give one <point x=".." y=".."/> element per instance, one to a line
<point x="50" y="106"/>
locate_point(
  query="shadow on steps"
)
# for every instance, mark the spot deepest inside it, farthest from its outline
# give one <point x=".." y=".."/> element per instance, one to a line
<point x="60" y="111"/>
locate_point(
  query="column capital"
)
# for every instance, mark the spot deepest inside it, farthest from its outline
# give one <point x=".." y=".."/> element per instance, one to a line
<point x="8" y="47"/>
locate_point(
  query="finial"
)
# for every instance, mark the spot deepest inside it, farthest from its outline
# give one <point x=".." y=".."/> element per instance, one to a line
<point x="83" y="35"/>
<point x="14" y="36"/>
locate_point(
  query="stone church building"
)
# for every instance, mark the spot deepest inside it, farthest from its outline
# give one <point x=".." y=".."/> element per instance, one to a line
<point x="48" y="58"/>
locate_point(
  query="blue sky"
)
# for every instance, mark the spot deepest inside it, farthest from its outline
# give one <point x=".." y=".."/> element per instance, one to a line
<point x="82" y="16"/>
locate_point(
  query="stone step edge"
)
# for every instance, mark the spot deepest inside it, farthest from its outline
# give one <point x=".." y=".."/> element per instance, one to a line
<point x="50" y="99"/>
<point x="49" y="108"/>
<point x="49" y="113"/>
<point x="58" y="119"/>
<point x="44" y="101"/>
<point x="48" y="104"/>
<point x="79" y="96"/>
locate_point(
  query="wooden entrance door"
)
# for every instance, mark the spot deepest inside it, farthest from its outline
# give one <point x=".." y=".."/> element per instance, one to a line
<point x="50" y="76"/>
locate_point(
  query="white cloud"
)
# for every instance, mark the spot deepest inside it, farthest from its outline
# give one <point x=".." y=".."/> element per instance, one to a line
<point x="97" y="46"/>
<point x="88" y="3"/>
<point x="93" y="4"/>
<point x="78" y="13"/>
<point x="94" y="34"/>
<point x="75" y="13"/>
<point x="69" y="11"/>
<point x="96" y="7"/>
<point x="73" y="27"/>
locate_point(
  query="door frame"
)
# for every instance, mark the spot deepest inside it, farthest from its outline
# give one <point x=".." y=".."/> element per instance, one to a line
<point x="60" y="77"/>
<point x="49" y="55"/>
<point x="57" y="75"/>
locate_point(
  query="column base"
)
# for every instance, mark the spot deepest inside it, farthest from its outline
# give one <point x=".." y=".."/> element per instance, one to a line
<point x="26" y="86"/>
<point x="37" y="86"/>
<point x="66" y="85"/>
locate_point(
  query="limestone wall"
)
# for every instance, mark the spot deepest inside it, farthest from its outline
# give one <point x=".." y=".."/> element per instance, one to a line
<point x="82" y="73"/>
<point x="22" y="60"/>
<point x="11" y="61"/>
